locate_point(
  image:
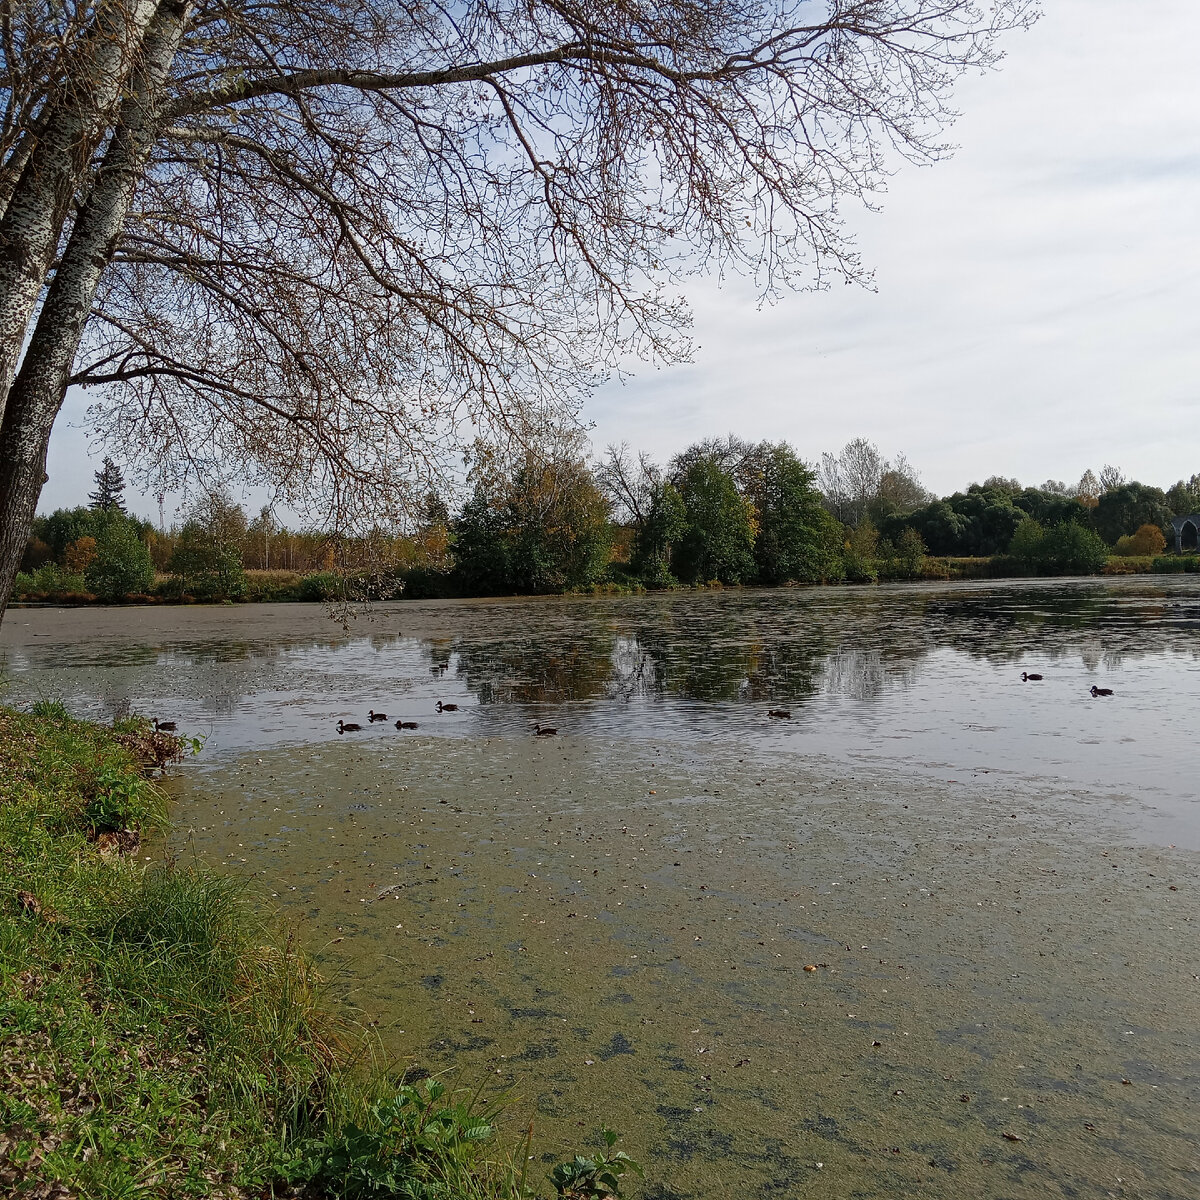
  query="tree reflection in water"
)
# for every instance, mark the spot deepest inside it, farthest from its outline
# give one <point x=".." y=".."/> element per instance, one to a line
<point x="770" y="648"/>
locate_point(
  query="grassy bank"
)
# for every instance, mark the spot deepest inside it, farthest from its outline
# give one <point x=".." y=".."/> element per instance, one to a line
<point x="156" y="1039"/>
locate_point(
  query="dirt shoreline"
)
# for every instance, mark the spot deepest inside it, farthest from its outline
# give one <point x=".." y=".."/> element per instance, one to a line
<point x="617" y="931"/>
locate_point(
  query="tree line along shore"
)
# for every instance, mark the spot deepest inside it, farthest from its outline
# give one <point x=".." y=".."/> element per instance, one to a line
<point x="723" y="512"/>
<point x="160" y="1037"/>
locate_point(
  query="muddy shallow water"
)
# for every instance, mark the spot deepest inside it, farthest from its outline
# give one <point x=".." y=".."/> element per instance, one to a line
<point x="995" y="883"/>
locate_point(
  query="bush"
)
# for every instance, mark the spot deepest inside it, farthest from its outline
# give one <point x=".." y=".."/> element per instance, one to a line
<point x="122" y="563"/>
<point x="50" y="580"/>
<point x="37" y="554"/>
<point x="207" y="567"/>
<point x="861" y="553"/>
<point x="859" y="569"/>
<point x="1026" y="544"/>
<point x="321" y="585"/>
<point x="1069" y="549"/>
<point x="1148" y="540"/>
<point x="1066" y="549"/>
<point x="906" y="558"/>
<point x="1176" y="564"/>
<point x="1128" y="564"/>
<point x="427" y="583"/>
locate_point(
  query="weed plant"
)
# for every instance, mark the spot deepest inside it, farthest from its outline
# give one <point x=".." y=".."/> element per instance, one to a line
<point x="157" y="1040"/>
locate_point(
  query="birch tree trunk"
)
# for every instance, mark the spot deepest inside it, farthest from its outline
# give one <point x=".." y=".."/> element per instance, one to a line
<point x="76" y="121"/>
<point x="37" y="393"/>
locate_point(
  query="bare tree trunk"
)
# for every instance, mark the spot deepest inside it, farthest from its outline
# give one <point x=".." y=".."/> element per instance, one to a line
<point x="75" y="125"/>
<point x="38" y="391"/>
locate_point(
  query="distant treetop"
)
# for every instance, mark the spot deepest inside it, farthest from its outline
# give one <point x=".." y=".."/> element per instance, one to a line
<point x="110" y="485"/>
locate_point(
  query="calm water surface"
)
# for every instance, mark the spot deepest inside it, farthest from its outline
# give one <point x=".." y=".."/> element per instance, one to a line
<point x="924" y="677"/>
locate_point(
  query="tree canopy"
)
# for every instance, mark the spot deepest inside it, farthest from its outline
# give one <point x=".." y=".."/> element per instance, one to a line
<point x="310" y="244"/>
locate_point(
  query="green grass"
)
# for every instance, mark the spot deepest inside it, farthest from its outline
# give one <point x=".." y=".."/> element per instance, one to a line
<point x="157" y="1039"/>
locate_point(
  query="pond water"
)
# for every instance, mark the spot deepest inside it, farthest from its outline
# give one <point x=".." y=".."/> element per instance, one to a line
<point x="933" y="934"/>
<point x="923" y="677"/>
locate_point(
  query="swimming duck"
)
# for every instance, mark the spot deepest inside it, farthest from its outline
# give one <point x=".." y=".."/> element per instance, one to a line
<point x="780" y="714"/>
<point x="1097" y="691"/>
<point x="164" y="726"/>
<point x="406" y="724"/>
<point x="1026" y="678"/>
<point x="447" y="707"/>
<point x="374" y="716"/>
<point x="348" y="727"/>
<point x="544" y="731"/>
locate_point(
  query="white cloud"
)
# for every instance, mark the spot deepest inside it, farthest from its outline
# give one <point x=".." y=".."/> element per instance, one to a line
<point x="1037" y="296"/>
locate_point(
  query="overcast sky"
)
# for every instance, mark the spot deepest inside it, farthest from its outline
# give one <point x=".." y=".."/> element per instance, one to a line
<point x="1037" y="302"/>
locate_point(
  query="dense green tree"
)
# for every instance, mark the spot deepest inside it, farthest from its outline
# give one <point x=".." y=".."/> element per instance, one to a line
<point x="718" y="541"/>
<point x="559" y="528"/>
<point x="797" y="538"/>
<point x="546" y="529"/>
<point x="1001" y="483"/>
<point x="1070" y="549"/>
<point x="728" y="453"/>
<point x="1026" y="544"/>
<point x="1066" y="549"/>
<point x="663" y="527"/>
<point x="939" y="526"/>
<point x="121" y="565"/>
<point x="65" y="526"/>
<point x="207" y="559"/>
<point x="110" y="487"/>
<point x="980" y="521"/>
<point x="479" y="539"/>
<point x="1184" y="498"/>
<point x="994" y="519"/>
<point x="1051" y="508"/>
<point x="1128" y="506"/>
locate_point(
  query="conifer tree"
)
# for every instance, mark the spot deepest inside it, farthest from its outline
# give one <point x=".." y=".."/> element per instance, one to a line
<point x="110" y="484"/>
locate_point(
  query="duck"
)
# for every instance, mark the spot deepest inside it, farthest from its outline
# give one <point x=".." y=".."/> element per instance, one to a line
<point x="780" y="714"/>
<point x="406" y="724"/>
<point x="447" y="707"/>
<point x="1027" y="678"/>
<point x="374" y="716"/>
<point x="544" y="731"/>
<point x="1099" y="691"/>
<point x="347" y="727"/>
<point x="164" y="726"/>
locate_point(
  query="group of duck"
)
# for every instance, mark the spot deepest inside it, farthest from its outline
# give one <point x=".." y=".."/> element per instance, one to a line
<point x="375" y="718"/>
<point x="1030" y="677"/>
<point x="539" y="730"/>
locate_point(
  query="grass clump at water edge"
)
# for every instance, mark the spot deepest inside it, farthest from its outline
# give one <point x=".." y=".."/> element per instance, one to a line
<point x="157" y="1040"/>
